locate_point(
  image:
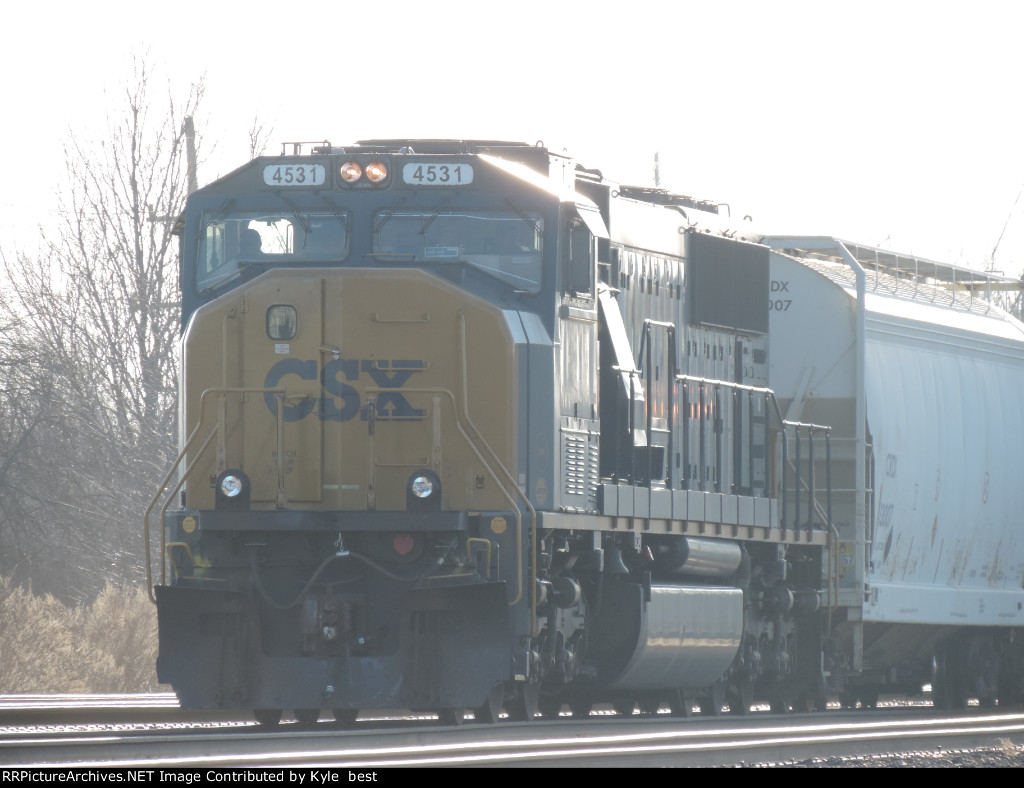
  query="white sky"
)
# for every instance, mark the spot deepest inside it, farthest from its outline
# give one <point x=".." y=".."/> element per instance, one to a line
<point x="895" y="123"/>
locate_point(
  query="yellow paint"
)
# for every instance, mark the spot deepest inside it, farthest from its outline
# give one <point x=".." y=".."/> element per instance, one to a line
<point x="450" y="390"/>
<point x="498" y="525"/>
<point x="188" y="525"/>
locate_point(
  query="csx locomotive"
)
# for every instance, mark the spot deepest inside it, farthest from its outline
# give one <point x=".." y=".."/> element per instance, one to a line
<point x="468" y="426"/>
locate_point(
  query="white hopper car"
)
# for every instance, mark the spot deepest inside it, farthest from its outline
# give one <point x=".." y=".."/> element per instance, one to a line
<point x="919" y="374"/>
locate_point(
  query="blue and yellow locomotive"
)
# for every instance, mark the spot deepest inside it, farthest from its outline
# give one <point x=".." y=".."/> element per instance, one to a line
<point x="466" y="426"/>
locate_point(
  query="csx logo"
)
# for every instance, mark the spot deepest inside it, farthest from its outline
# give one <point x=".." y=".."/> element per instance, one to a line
<point x="343" y="402"/>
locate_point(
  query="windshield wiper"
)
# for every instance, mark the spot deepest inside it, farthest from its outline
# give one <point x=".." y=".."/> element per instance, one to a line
<point x="296" y="215"/>
<point x="340" y="216"/>
<point x="388" y="214"/>
<point x="523" y="215"/>
<point x="215" y="216"/>
<point x="430" y="221"/>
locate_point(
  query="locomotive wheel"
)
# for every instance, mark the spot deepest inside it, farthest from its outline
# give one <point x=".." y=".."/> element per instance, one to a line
<point x="451" y="716"/>
<point x="681" y="704"/>
<point x="650" y="706"/>
<point x="307" y="716"/>
<point x="268" y="718"/>
<point x="712" y="703"/>
<point x="742" y="697"/>
<point x="580" y="708"/>
<point x="346" y="718"/>
<point x="490" y="711"/>
<point x="524" y="706"/>
<point x="820" y="694"/>
<point x="814" y="697"/>
<point x="550" y="707"/>
<point x="624" y="707"/>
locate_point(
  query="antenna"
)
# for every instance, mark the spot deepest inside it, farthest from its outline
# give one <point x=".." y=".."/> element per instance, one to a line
<point x="992" y="257"/>
<point x="657" y="170"/>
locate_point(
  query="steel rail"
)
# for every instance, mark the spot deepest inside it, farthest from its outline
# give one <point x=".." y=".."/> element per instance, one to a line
<point x="610" y="741"/>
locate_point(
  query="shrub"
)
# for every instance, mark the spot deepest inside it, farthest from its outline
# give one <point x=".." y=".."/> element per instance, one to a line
<point x="46" y="647"/>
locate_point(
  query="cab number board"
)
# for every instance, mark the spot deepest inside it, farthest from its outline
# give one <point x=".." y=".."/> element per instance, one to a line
<point x="294" y="175"/>
<point x="424" y="174"/>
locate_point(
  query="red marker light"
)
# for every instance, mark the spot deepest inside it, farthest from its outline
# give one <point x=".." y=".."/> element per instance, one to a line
<point x="403" y="543"/>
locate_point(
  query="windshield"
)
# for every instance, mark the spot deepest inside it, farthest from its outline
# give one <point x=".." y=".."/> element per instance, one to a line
<point x="506" y="245"/>
<point x="231" y="241"/>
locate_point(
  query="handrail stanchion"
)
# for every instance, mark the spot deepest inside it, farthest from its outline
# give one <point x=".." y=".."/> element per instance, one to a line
<point x="810" y="476"/>
<point x="648" y="401"/>
<point x="785" y="474"/>
<point x="828" y="475"/>
<point x="702" y="471"/>
<point x="796" y="519"/>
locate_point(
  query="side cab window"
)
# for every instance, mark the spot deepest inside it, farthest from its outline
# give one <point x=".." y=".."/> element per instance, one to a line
<point x="579" y="260"/>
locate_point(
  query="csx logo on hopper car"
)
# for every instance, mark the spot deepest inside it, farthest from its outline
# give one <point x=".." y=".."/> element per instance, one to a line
<point x="344" y="401"/>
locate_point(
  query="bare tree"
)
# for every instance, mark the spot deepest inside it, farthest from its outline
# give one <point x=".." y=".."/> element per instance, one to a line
<point x="259" y="134"/>
<point x="88" y="378"/>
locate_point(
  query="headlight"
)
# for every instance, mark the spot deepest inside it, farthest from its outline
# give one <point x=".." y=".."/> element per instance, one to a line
<point x="376" y="171"/>
<point x="232" y="490"/>
<point x="423" y="491"/>
<point x="231" y="486"/>
<point x="422" y="487"/>
<point x="351" y="172"/>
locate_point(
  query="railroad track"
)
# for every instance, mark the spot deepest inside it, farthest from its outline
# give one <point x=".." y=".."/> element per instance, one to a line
<point x="180" y="742"/>
<point x="99" y="709"/>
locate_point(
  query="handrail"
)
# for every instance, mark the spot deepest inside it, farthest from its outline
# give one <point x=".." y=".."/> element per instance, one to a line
<point x="222" y="391"/>
<point x="824" y="515"/>
<point x="645" y="342"/>
<point x="508" y="476"/>
<point x="734" y="387"/>
<point x="469" y="442"/>
<point x="279" y="393"/>
<point x="796" y="425"/>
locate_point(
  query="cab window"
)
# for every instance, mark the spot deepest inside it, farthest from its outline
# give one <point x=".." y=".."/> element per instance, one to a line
<point x="506" y="245"/>
<point x="228" y="243"/>
<point x="580" y="263"/>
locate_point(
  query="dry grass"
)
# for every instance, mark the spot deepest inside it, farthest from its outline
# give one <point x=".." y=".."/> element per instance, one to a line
<point x="45" y="646"/>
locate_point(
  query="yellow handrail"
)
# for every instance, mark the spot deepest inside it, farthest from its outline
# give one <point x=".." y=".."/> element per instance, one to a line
<point x="162" y="489"/>
<point x="487" y="467"/>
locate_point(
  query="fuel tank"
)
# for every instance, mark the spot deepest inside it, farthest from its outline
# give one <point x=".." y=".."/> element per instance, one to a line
<point x="677" y="636"/>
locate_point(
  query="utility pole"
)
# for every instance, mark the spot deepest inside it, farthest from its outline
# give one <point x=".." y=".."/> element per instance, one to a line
<point x="190" y="154"/>
<point x="189" y="130"/>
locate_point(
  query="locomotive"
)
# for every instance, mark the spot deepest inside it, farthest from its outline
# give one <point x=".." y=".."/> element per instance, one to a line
<point x="466" y="425"/>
